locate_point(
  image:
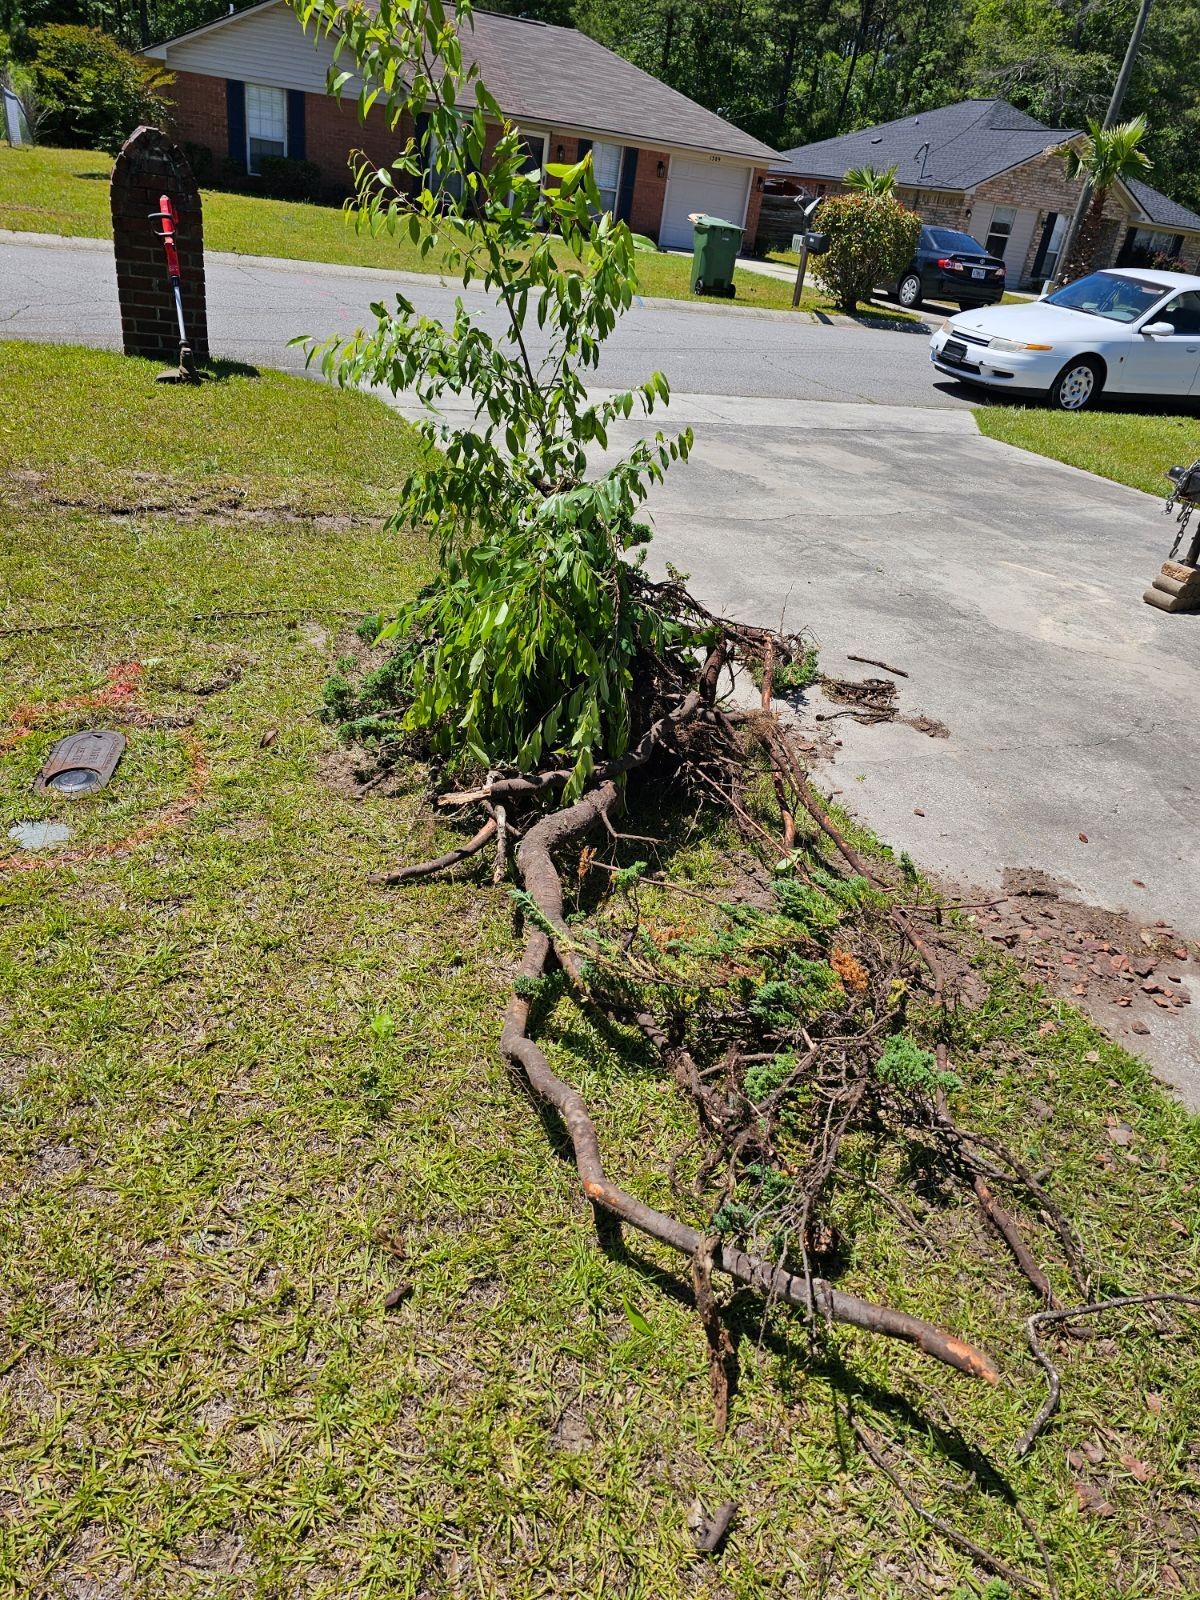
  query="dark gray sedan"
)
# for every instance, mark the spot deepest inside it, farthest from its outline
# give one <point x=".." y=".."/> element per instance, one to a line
<point x="949" y="265"/>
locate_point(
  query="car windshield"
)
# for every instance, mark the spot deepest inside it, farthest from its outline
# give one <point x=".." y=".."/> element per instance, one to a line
<point x="948" y="239"/>
<point x="1105" y="294"/>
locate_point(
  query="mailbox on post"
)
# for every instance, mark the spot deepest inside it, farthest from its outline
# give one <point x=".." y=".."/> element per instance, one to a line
<point x="809" y="244"/>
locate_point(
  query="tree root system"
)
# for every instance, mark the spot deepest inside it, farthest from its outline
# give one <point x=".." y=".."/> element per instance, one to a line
<point x="805" y="1020"/>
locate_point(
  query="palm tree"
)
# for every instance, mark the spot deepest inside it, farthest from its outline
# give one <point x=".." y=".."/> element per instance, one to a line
<point x="865" y="180"/>
<point x="1106" y="156"/>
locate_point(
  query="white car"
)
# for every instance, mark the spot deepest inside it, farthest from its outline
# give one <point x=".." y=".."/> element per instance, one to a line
<point x="1120" y="331"/>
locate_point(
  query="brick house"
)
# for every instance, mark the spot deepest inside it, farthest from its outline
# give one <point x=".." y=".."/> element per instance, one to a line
<point x="987" y="168"/>
<point x="253" y="84"/>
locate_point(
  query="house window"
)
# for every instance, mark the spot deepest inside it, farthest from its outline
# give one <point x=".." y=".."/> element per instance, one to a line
<point x="606" y="164"/>
<point x="266" y="124"/>
<point x="1146" y="247"/>
<point x="440" y="178"/>
<point x="534" y="158"/>
<point x="1000" y="230"/>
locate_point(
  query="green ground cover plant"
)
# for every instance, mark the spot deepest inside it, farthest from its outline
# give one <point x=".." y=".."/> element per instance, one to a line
<point x="47" y="190"/>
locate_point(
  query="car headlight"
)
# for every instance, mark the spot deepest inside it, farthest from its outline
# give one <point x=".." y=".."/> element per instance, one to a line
<point x="1016" y="345"/>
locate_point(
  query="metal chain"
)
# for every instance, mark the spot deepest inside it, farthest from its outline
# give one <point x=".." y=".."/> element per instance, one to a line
<point x="1185" y="515"/>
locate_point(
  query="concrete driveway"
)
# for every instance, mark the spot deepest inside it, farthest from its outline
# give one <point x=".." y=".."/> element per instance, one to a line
<point x="1009" y="588"/>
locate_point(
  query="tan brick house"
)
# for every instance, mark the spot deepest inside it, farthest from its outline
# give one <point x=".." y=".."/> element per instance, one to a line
<point x="252" y="84"/>
<point x="987" y="168"/>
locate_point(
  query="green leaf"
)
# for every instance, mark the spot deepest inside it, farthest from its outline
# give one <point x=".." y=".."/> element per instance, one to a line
<point x="636" y="1320"/>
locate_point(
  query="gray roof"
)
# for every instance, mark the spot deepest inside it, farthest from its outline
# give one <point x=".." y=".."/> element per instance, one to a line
<point x="968" y="143"/>
<point x="558" y="76"/>
<point x="1166" y="213"/>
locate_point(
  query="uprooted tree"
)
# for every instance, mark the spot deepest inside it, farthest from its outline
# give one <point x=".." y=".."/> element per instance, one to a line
<point x="552" y="683"/>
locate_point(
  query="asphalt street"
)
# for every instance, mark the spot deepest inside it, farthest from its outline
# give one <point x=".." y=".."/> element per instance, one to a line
<point x="65" y="289"/>
<point x="835" y="481"/>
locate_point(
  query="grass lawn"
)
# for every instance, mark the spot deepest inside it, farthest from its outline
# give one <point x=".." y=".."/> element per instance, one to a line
<point x="46" y="190"/>
<point x="247" y="1095"/>
<point x="1133" y="447"/>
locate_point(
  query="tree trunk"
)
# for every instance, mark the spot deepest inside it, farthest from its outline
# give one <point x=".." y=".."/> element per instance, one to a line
<point x="864" y="22"/>
<point x="818" y="36"/>
<point x="664" y="62"/>
<point x="1083" y="255"/>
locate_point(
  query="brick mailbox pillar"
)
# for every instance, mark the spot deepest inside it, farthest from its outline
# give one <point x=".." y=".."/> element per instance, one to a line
<point x="148" y="167"/>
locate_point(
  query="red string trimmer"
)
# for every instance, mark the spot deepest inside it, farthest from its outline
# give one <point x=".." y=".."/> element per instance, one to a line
<point x="169" y="218"/>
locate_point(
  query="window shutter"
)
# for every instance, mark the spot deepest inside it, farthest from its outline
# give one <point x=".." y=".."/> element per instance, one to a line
<point x="584" y="146"/>
<point x="295" y="124"/>
<point x="628" y="174"/>
<point x="1044" y="244"/>
<point x="421" y="138"/>
<point x="235" y="117"/>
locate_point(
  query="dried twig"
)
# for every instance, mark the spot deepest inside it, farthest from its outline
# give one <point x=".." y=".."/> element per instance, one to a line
<point x="722" y="1358"/>
<point x="1006" y="1226"/>
<point x="870" y="661"/>
<point x="1027" y="1440"/>
<point x="710" y="1535"/>
<point x="874" y="1451"/>
<point x="500" y="817"/>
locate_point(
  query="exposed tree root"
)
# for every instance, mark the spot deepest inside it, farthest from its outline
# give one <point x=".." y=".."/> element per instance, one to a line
<point x="426" y="869"/>
<point x="774" y="1282"/>
<point x="818" y="1093"/>
<point x="875" y="1453"/>
<point x="543" y="883"/>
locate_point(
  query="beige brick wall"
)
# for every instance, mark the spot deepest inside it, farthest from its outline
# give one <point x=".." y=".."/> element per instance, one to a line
<point x="1042" y="185"/>
<point x="934" y="206"/>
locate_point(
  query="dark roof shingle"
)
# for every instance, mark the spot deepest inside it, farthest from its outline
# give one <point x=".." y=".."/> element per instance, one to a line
<point x="967" y="144"/>
<point x="1167" y="213"/>
<point x="540" y="73"/>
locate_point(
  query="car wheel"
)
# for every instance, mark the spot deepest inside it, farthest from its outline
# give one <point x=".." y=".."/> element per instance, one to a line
<point x="1078" y="385"/>
<point x="909" y="292"/>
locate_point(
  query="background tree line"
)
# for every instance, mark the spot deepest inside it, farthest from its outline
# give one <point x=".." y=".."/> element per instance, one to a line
<point x="791" y="71"/>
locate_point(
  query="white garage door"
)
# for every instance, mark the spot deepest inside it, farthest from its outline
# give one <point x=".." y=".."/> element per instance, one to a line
<point x="708" y="184"/>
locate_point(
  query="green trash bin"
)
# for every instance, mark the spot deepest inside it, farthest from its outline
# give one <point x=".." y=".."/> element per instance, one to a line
<point x="715" y="244"/>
